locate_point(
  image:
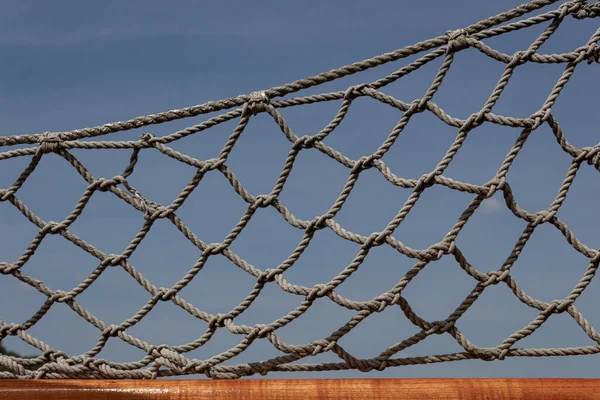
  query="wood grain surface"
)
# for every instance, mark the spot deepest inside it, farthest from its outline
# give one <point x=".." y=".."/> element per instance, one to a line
<point x="302" y="389"/>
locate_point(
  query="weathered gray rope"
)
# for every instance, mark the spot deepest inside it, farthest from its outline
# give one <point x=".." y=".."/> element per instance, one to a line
<point x="167" y="360"/>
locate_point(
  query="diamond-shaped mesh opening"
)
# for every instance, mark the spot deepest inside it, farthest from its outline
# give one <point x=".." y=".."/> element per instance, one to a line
<point x="267" y="240"/>
<point x="52" y="189"/>
<point x="486" y="147"/>
<point x="220" y="341"/>
<point x="64" y="330"/>
<point x="573" y="33"/>
<point x="577" y="117"/>
<point x="372" y="204"/>
<point x="366" y="125"/>
<point x="434" y="301"/>
<point x="309" y="198"/>
<point x="420" y="147"/>
<point x="99" y="165"/>
<point x="221" y="279"/>
<point x="13" y="168"/>
<point x="310" y="119"/>
<point x="562" y="270"/>
<point x="516" y="40"/>
<point x="155" y="255"/>
<point x="528" y="89"/>
<point x="383" y="268"/>
<point x="168" y="324"/>
<point x="587" y="303"/>
<point x="259" y="155"/>
<point x="401" y="217"/>
<point x="213" y="208"/>
<point x="558" y="330"/>
<point x="30" y="300"/>
<point x="322" y="319"/>
<point x="494" y="316"/>
<point x="433" y="344"/>
<point x="542" y="161"/>
<point x="126" y="296"/>
<point x="468" y="83"/>
<point x="159" y="178"/>
<point x="272" y="304"/>
<point x="204" y="140"/>
<point x="22" y="232"/>
<point x="410" y="89"/>
<point x="260" y="349"/>
<point x="487" y="240"/>
<point x="386" y="329"/>
<point x="117" y="350"/>
<point x="327" y="254"/>
<point x="105" y="212"/>
<point x="59" y="264"/>
<point x="427" y="222"/>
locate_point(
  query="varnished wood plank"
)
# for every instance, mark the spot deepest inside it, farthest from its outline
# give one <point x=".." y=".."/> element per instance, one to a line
<point x="334" y="389"/>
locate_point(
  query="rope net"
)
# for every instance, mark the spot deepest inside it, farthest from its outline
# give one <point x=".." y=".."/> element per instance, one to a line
<point x="165" y="360"/>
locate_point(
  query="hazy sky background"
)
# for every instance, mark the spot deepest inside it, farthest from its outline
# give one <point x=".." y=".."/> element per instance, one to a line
<point x="68" y="65"/>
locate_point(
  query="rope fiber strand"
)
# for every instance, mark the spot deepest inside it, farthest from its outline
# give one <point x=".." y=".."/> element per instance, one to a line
<point x="165" y="360"/>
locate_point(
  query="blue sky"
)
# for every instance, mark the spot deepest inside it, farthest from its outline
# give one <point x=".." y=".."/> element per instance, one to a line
<point x="69" y="65"/>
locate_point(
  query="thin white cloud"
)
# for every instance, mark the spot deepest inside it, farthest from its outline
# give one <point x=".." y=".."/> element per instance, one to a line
<point x="491" y="205"/>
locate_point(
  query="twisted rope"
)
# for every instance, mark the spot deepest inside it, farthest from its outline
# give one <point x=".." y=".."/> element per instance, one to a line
<point x="165" y="360"/>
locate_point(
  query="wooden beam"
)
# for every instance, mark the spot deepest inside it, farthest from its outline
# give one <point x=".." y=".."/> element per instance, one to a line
<point x="334" y="389"/>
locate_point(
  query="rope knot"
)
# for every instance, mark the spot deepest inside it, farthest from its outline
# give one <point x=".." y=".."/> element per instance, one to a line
<point x="457" y="40"/>
<point x="212" y="249"/>
<point x="166" y="294"/>
<point x="306" y="142"/>
<point x="267" y="276"/>
<point x="593" y="157"/>
<point x="441" y="327"/>
<point x="425" y="181"/>
<point x="264" y="200"/>
<point x="113" y="260"/>
<point x="593" y="53"/>
<point x="438" y="250"/>
<point x="320" y="222"/>
<point x="157" y="349"/>
<point x="494" y="185"/>
<point x="147" y="137"/>
<point x="59" y="296"/>
<point x="54" y="355"/>
<point x="50" y="142"/>
<point x="377" y="239"/>
<point x="91" y="363"/>
<point x="258" y="102"/>
<point x="495" y="277"/>
<point x="104" y="185"/>
<point x="557" y="306"/>
<point x="112" y="331"/>
<point x="587" y="10"/>
<point x="363" y="163"/>
<point x="354" y="91"/>
<point x="319" y="290"/>
<point x="219" y="320"/>
<point x="10" y="329"/>
<point x="52" y="228"/>
<point x="485" y="354"/>
<point x="260" y="331"/>
<point x="518" y="58"/>
<point x="6" y="268"/>
<point x="264" y="330"/>
<point x="4" y="194"/>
